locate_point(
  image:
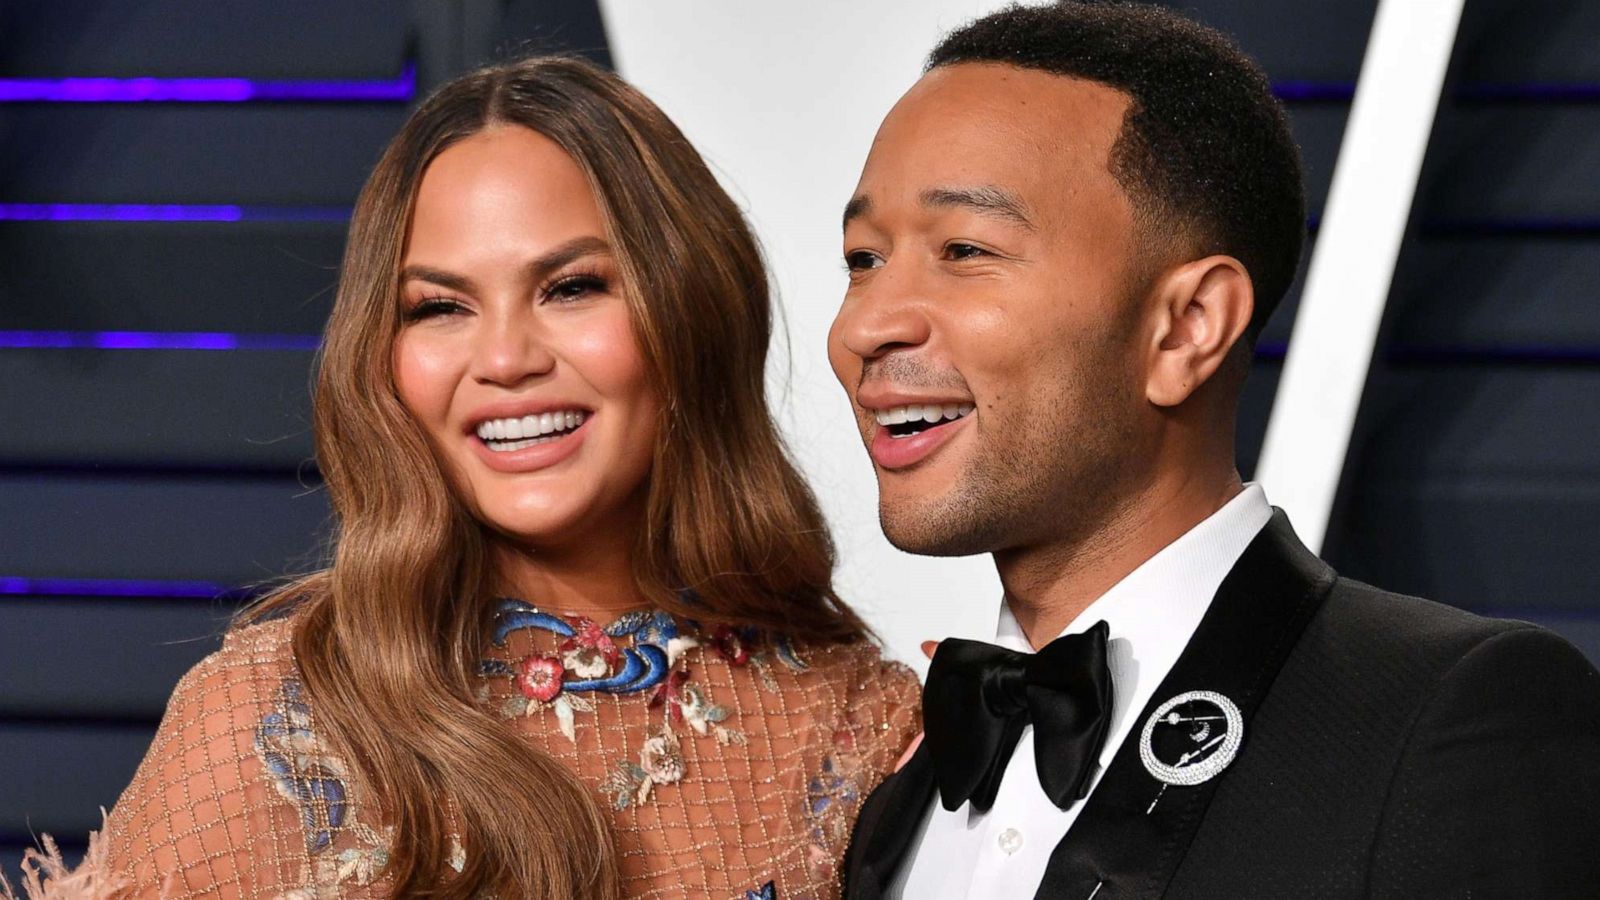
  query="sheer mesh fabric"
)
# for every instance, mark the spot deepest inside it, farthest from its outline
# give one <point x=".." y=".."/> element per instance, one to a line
<point x="747" y="764"/>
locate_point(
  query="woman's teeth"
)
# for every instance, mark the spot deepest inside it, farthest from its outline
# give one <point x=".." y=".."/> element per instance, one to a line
<point x="932" y="413"/>
<point x="505" y="435"/>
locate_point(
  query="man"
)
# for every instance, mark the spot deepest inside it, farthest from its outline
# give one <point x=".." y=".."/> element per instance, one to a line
<point x="1065" y="239"/>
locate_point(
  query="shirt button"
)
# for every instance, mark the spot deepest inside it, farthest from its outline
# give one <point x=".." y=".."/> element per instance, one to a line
<point x="1010" y="841"/>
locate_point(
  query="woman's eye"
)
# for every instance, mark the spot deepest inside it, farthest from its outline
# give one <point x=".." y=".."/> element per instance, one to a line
<point x="575" y="287"/>
<point x="964" y="251"/>
<point x="862" y="260"/>
<point x="431" y="307"/>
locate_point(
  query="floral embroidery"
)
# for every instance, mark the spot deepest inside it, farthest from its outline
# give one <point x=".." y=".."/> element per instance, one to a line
<point x="539" y="678"/>
<point x="832" y="798"/>
<point x="638" y="652"/>
<point x="768" y="891"/>
<point x="661" y="759"/>
<point x="590" y="653"/>
<point x="782" y="649"/>
<point x="302" y="769"/>
<point x="655" y="643"/>
<point x="306" y="774"/>
<point x="703" y="715"/>
<point x="660" y="762"/>
<point x="730" y="644"/>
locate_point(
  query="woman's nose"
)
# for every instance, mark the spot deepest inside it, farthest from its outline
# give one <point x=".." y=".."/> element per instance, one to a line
<point x="510" y="350"/>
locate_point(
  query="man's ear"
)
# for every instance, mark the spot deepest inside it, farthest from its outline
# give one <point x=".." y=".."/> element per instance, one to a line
<point x="1202" y="310"/>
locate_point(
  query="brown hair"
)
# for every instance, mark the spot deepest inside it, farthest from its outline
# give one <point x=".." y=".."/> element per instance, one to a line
<point x="391" y="633"/>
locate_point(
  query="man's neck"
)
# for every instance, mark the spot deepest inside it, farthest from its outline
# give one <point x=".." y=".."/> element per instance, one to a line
<point x="1050" y="583"/>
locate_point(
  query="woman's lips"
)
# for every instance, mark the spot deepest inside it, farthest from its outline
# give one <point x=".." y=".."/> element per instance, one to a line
<point x="533" y="458"/>
<point x="892" y="452"/>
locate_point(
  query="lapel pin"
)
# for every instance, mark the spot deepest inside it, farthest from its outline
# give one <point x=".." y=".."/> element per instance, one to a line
<point x="1191" y="738"/>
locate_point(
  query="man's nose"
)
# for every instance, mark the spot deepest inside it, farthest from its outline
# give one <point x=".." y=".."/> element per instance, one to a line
<point x="887" y="313"/>
<point x="510" y="349"/>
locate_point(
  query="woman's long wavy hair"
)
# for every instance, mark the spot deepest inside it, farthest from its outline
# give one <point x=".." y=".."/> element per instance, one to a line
<point x="389" y="636"/>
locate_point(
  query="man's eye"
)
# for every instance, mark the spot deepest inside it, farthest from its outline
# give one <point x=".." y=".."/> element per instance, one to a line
<point x="862" y="260"/>
<point x="431" y="307"/>
<point x="963" y="251"/>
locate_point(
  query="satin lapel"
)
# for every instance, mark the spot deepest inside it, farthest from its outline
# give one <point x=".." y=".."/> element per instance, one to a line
<point x="1122" y="847"/>
<point x="888" y="822"/>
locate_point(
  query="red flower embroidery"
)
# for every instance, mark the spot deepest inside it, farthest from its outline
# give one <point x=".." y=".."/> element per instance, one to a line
<point x="670" y="692"/>
<point x="591" y="636"/>
<point x="844" y="739"/>
<point x="730" y="645"/>
<point x="539" y="677"/>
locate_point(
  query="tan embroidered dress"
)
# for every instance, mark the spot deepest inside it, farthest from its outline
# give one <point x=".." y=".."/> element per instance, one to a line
<point x="734" y="767"/>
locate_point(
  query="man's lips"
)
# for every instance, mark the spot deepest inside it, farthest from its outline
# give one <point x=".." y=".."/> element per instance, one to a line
<point x="895" y="452"/>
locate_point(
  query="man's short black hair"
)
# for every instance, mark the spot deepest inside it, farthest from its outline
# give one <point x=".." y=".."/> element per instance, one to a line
<point x="1205" y="153"/>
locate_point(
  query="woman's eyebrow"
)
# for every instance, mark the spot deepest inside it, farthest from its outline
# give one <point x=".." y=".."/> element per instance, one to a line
<point x="440" y="277"/>
<point x="564" y="254"/>
<point x="536" y="269"/>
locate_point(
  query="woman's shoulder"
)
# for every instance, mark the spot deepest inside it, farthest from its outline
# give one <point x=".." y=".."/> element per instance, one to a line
<point x="202" y="809"/>
<point x="254" y="654"/>
<point x="861" y="665"/>
<point x="875" y="695"/>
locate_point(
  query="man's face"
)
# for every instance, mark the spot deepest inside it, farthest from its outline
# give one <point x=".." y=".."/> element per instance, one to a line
<point x="989" y="336"/>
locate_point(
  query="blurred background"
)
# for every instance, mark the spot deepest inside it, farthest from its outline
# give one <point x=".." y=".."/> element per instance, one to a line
<point x="175" y="179"/>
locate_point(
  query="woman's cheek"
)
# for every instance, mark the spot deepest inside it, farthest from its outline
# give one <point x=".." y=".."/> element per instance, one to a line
<point x="610" y="355"/>
<point x="425" y="377"/>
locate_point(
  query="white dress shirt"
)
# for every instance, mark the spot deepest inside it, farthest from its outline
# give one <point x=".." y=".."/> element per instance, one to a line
<point x="1152" y="613"/>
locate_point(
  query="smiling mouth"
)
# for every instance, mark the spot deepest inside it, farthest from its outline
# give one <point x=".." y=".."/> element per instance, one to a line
<point x="907" y="421"/>
<point x="507" y="435"/>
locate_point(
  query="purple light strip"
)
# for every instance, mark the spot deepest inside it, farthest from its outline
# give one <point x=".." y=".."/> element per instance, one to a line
<point x="113" y="587"/>
<point x="167" y="212"/>
<point x="205" y="90"/>
<point x="155" y="340"/>
<point x="1314" y="91"/>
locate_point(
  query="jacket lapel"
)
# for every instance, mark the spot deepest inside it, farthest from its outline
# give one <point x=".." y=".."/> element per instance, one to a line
<point x="889" y="821"/>
<point x="1134" y="830"/>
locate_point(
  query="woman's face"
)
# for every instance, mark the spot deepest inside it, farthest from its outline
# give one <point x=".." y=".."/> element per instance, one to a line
<point x="516" y="353"/>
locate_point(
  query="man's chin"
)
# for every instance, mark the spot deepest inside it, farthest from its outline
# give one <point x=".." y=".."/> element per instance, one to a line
<point x="929" y="532"/>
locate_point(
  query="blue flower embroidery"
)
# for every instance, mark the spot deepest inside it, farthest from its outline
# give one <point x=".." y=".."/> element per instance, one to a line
<point x="301" y="769"/>
<point x="768" y="891"/>
<point x="824" y="793"/>
<point x="644" y="664"/>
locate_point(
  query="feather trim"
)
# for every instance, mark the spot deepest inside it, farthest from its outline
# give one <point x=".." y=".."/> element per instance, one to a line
<point x="46" y="875"/>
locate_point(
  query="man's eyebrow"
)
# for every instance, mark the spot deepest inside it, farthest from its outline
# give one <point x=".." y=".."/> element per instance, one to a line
<point x="859" y="205"/>
<point x="537" y="269"/>
<point x="986" y="200"/>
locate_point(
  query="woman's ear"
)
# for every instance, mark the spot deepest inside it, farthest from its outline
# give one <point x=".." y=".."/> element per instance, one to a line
<point x="1203" y="308"/>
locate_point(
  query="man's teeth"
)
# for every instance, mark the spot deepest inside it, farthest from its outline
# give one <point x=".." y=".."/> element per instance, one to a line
<point x="932" y="412"/>
<point x="514" y="434"/>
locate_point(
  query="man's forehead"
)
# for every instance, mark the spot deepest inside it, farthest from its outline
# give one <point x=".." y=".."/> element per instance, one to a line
<point x="1010" y="103"/>
<point x="971" y="124"/>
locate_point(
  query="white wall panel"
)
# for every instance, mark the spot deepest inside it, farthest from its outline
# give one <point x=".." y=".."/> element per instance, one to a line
<point x="783" y="100"/>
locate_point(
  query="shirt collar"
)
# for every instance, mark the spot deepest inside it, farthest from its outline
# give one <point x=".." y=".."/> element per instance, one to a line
<point x="1170" y="591"/>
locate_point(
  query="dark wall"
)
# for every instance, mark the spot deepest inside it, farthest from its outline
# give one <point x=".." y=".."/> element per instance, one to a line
<point x="138" y="485"/>
<point x="1473" y="475"/>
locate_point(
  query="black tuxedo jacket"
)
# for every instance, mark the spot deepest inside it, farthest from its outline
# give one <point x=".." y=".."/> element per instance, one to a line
<point x="1393" y="747"/>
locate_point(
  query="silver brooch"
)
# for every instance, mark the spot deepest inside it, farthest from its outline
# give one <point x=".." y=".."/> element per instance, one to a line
<point x="1199" y="735"/>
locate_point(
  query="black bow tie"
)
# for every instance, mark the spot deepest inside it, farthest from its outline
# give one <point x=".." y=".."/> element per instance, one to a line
<point x="979" y="697"/>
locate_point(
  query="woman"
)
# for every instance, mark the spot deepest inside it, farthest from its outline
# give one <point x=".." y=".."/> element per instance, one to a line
<point x="578" y="638"/>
